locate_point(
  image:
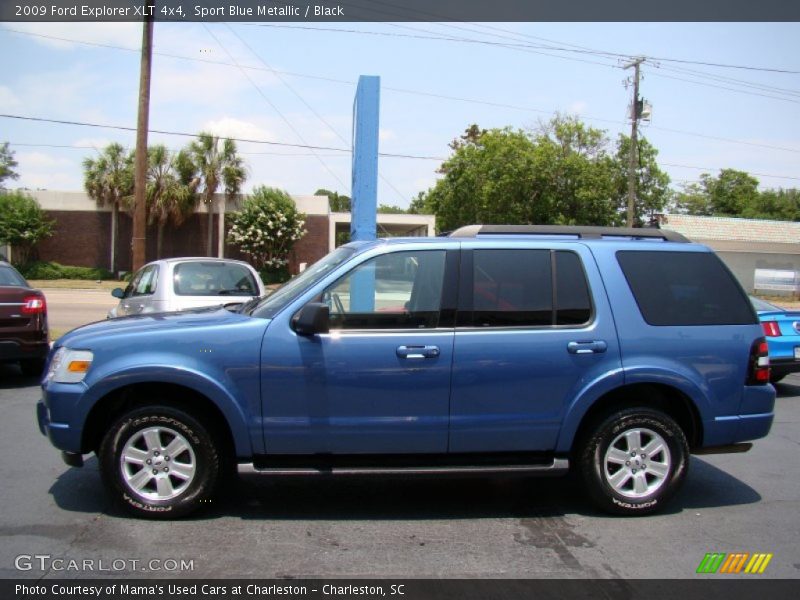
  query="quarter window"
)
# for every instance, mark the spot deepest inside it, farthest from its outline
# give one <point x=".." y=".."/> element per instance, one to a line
<point x="685" y="288"/>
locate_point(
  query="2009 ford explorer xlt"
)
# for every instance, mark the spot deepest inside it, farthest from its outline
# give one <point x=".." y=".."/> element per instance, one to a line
<point x="523" y="349"/>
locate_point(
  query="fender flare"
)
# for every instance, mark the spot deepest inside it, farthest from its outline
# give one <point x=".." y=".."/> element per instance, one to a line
<point x="193" y="380"/>
<point x="620" y="379"/>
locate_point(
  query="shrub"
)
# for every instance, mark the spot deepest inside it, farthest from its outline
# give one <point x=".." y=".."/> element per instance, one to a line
<point x="53" y="270"/>
<point x="265" y="230"/>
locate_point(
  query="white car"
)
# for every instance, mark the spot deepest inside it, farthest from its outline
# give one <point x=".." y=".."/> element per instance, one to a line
<point x="181" y="283"/>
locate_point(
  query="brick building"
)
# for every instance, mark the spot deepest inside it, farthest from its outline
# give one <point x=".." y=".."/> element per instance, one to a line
<point x="83" y="231"/>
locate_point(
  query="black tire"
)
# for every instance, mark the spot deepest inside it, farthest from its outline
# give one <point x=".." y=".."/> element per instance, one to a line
<point x="32" y="367"/>
<point x="599" y="463"/>
<point x="190" y="493"/>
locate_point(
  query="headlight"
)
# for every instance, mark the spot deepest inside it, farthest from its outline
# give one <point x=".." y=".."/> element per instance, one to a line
<point x="69" y="366"/>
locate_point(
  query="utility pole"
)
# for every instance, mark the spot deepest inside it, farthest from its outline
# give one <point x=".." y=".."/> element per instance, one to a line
<point x="139" y="241"/>
<point x="636" y="114"/>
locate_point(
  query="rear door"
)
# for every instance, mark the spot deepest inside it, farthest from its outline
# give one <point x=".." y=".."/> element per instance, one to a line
<point x="533" y="327"/>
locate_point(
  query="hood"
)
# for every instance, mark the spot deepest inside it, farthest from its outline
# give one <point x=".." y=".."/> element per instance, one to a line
<point x="152" y="322"/>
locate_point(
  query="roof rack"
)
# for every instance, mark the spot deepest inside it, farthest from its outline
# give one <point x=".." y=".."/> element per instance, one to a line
<point x="596" y="233"/>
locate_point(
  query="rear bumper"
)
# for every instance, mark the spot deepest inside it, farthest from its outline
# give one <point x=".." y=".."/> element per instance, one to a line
<point x="754" y="420"/>
<point x="19" y="350"/>
<point x="784" y="366"/>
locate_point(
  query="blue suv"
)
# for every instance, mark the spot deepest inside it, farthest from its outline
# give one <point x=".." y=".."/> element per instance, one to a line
<point x="496" y="349"/>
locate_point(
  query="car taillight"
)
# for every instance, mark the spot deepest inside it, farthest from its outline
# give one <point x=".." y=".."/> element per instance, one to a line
<point x="771" y="328"/>
<point x="34" y="305"/>
<point x="758" y="373"/>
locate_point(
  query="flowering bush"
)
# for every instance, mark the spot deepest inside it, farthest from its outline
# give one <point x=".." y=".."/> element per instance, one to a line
<point x="267" y="227"/>
<point x="23" y="224"/>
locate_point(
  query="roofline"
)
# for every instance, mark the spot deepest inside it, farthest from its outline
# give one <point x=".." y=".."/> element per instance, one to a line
<point x="582" y="232"/>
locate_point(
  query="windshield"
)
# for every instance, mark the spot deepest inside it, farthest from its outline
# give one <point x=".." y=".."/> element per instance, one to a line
<point x="268" y="307"/>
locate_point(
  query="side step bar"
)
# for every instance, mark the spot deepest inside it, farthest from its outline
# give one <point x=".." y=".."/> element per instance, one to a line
<point x="558" y="466"/>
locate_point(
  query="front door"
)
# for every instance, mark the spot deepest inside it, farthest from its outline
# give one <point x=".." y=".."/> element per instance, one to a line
<point x="379" y="381"/>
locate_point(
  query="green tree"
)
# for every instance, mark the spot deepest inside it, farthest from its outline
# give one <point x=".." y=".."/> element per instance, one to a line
<point x="560" y="174"/>
<point x="170" y="197"/>
<point x="693" y="199"/>
<point x="651" y="184"/>
<point x="780" y="205"/>
<point x="731" y="192"/>
<point x="7" y="165"/>
<point x="108" y="179"/>
<point x="216" y="162"/>
<point x="391" y="209"/>
<point x="266" y="229"/>
<point x="337" y="202"/>
<point x="23" y="224"/>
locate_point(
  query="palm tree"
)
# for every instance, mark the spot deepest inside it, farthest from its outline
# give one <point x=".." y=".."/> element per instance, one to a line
<point x="170" y="194"/>
<point x="108" y="179"/>
<point x="216" y="165"/>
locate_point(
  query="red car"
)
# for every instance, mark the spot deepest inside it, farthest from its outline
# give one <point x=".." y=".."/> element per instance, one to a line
<point x="23" y="322"/>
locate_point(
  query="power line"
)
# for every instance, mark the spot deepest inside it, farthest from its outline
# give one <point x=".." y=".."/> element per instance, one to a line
<point x="185" y="134"/>
<point x="309" y="107"/>
<point x="420" y="93"/>
<point x="274" y="107"/>
<point x="719" y="169"/>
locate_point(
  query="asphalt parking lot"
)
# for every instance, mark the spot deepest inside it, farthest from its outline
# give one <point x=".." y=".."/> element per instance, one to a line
<point x="526" y="528"/>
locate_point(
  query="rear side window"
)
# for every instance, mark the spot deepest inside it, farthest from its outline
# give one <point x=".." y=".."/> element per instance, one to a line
<point x="685" y="288"/>
<point x="527" y="288"/>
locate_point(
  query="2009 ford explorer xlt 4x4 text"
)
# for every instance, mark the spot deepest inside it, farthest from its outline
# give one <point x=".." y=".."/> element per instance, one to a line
<point x="523" y="349"/>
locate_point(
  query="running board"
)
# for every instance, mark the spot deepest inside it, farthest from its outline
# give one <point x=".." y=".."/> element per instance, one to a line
<point x="557" y="467"/>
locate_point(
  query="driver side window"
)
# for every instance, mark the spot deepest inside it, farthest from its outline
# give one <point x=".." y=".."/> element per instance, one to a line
<point x="402" y="290"/>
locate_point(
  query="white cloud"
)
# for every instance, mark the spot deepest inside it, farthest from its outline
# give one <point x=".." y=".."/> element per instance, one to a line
<point x="238" y="128"/>
<point x="385" y="135"/>
<point x="578" y="107"/>
<point x="96" y="143"/>
<point x="8" y="99"/>
<point x="40" y="160"/>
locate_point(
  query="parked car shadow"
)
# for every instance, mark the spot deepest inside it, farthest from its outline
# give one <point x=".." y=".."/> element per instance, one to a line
<point x="397" y="498"/>
<point x="788" y="387"/>
<point x="11" y="377"/>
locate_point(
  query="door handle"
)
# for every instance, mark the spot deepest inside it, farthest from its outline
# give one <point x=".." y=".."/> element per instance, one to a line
<point x="417" y="351"/>
<point x="588" y="347"/>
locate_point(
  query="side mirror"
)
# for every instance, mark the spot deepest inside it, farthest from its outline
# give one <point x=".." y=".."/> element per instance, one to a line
<point x="118" y="293"/>
<point x="312" y="319"/>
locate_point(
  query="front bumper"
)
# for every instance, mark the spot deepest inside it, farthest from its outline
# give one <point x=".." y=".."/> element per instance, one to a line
<point x="57" y="412"/>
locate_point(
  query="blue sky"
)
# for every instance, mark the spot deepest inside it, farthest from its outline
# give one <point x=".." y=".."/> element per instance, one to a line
<point x="51" y="78"/>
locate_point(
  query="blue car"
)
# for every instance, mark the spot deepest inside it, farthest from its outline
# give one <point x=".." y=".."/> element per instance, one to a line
<point x="782" y="329"/>
<point x="526" y="350"/>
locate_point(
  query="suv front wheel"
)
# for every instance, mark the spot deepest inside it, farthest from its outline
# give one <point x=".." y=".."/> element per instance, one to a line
<point x="634" y="460"/>
<point x="159" y="462"/>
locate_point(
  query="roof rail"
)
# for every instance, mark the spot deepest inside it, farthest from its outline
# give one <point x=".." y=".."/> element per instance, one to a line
<point x="581" y="232"/>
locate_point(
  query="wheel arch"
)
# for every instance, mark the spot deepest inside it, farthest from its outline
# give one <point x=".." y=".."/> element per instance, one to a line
<point x="137" y="395"/>
<point x="659" y="396"/>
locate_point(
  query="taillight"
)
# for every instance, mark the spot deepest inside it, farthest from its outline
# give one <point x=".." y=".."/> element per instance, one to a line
<point x="758" y="372"/>
<point x="771" y="328"/>
<point x="34" y="305"/>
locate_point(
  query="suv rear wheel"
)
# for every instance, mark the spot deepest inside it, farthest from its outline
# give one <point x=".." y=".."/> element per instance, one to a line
<point x="159" y="462"/>
<point x="634" y="460"/>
